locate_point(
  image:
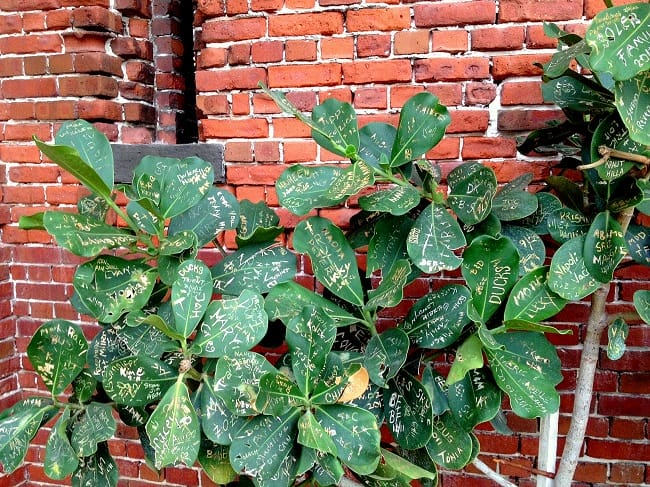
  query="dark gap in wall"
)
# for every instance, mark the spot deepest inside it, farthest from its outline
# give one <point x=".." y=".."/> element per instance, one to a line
<point x="187" y="125"/>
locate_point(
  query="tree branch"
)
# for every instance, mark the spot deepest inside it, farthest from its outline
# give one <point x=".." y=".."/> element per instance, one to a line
<point x="491" y="474"/>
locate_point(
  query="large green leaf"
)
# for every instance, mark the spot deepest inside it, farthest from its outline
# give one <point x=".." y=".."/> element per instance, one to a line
<point x="575" y="93"/>
<point x="390" y="291"/>
<point x="527" y="369"/>
<point x="108" y="345"/>
<point x="469" y="356"/>
<point x="437" y="319"/>
<point x="604" y="247"/>
<point x="95" y="426"/>
<point x="450" y="445"/>
<point x="568" y="275"/>
<point x="277" y="394"/>
<point x="474" y="399"/>
<point x="335" y="379"/>
<point x="644" y="205"/>
<point x="642" y="304"/>
<point x="617" y="333"/>
<point x="143" y="218"/>
<point x="618" y="38"/>
<point x="60" y="458"/>
<point x="57" y="352"/>
<point x="84" y="235"/>
<point x="471" y="189"/>
<point x="138" y="380"/>
<point x="355" y="434"/>
<point x="184" y="184"/>
<point x="388" y="243"/>
<point x="433" y="238"/>
<point x="396" y="201"/>
<point x="191" y="293"/>
<point x="109" y="286"/>
<point x="301" y="188"/>
<point x="408" y="411"/>
<point x="531" y="299"/>
<point x="568" y="191"/>
<point x="257" y="223"/>
<point x="312" y="435"/>
<point x="332" y="258"/>
<point x="632" y="100"/>
<point x="490" y="268"/>
<point x="561" y="60"/>
<point x="408" y="464"/>
<point x="538" y="221"/>
<point x="286" y="301"/>
<point x="215" y="462"/>
<point x="18" y="425"/>
<point x="231" y="324"/>
<point x="335" y="127"/>
<point x="173" y="428"/>
<point x="612" y="133"/>
<point x="310" y="337"/>
<point x="218" y="210"/>
<point x="261" y="447"/>
<point x="529" y="245"/>
<point x="98" y="470"/>
<point x="352" y="180"/>
<point x="376" y="142"/>
<point x="385" y="354"/>
<point x="149" y="337"/>
<point x="565" y="224"/>
<point x="218" y="423"/>
<point x="257" y="267"/>
<point x="512" y="202"/>
<point x="422" y="124"/>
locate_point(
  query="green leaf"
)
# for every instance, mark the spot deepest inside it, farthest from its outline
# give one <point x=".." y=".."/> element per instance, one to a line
<point x="612" y="133"/>
<point x="538" y="221"/>
<point x="277" y="394"/>
<point x="561" y="60"/>
<point x="531" y="299"/>
<point x="490" y="268"/>
<point x="433" y="238"/>
<point x="215" y="462"/>
<point x="302" y="188"/>
<point x="530" y="247"/>
<point x="568" y="275"/>
<point x="604" y="247"/>
<point x="388" y="243"/>
<point x="334" y="379"/>
<point x="523" y="325"/>
<point x="617" y="333"/>
<point x="60" y="458"/>
<point x="352" y="180"/>
<point x="569" y="192"/>
<point x="18" y="426"/>
<point x="396" y="201"/>
<point x="98" y="470"/>
<point x="261" y="447"/>
<point x="108" y="345"/>
<point x="632" y="98"/>
<point x="437" y="319"/>
<point x="110" y="286"/>
<point x="355" y="434"/>
<point x="642" y="304"/>
<point x="191" y="293"/>
<point x="512" y="203"/>
<point x="450" y="446"/>
<point x="258" y="223"/>
<point x="565" y="224"/>
<point x="143" y="218"/>
<point x="310" y="337"/>
<point x="376" y="142"/>
<point x="405" y="467"/>
<point x="312" y="435"/>
<point x="231" y="324"/>
<point x="57" y="352"/>
<point x="218" y="210"/>
<point x="173" y="428"/>
<point x="333" y="260"/>
<point x="574" y="93"/>
<point x="617" y="37"/>
<point x="334" y="126"/>
<point x="218" y="423"/>
<point x="83" y="235"/>
<point x="408" y="411"/>
<point x="469" y="356"/>
<point x="471" y="189"/>
<point x="138" y="380"/>
<point x="32" y="222"/>
<point x="184" y="243"/>
<point x="474" y="399"/>
<point x="385" y="355"/>
<point x="644" y="205"/>
<point x="93" y="206"/>
<point x="69" y="159"/>
<point x="527" y="369"/>
<point x="256" y="267"/>
<point x="422" y="124"/>
<point x="149" y="337"/>
<point x="184" y="184"/>
<point x="286" y="301"/>
<point x="390" y="291"/>
<point x="95" y="426"/>
<point x="83" y="386"/>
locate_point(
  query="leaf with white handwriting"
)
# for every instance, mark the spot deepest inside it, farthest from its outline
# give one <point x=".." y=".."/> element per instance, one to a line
<point x="138" y="380"/>
<point x="531" y="299"/>
<point x="60" y="458"/>
<point x="98" y="469"/>
<point x="568" y="275"/>
<point x="450" y="445"/>
<point x="471" y="189"/>
<point x="408" y="411"/>
<point x="191" y="293"/>
<point x="604" y="247"/>
<point x="642" y="304"/>
<point x="95" y="426"/>
<point x="385" y="355"/>
<point x="301" y="188"/>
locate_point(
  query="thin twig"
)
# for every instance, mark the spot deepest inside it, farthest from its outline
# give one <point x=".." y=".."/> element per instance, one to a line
<point x="491" y="474"/>
<point x="608" y="152"/>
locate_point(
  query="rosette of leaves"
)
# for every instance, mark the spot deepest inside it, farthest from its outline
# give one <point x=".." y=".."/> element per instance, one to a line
<point x="408" y="227"/>
<point x="162" y="328"/>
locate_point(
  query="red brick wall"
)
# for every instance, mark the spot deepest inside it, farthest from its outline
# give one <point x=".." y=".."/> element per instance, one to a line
<point x="119" y="64"/>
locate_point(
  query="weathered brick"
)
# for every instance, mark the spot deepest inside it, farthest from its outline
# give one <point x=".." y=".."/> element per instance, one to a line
<point x="382" y="19"/>
<point x="488" y="147"/>
<point x="373" y="45"/>
<point x="300" y="50"/>
<point x="453" y="40"/>
<point x="337" y="48"/>
<point x="28" y="88"/>
<point x="411" y="42"/>
<point x="129" y="48"/>
<point x="233" y="29"/>
<point x="134" y="7"/>
<point x="226" y="128"/>
<point x="592" y="7"/>
<point x="97" y="62"/>
<point x="31" y="43"/>
<point x="522" y="93"/>
<point x="304" y="75"/>
<point x="371" y="98"/>
<point x="626" y="473"/>
<point x="267" y="51"/>
<point x="518" y="120"/>
<point x="498" y="38"/>
<point x="518" y="65"/>
<point x="211" y="8"/>
<point x="101" y="86"/>
<point x="454" y="13"/>
<point x="377" y="71"/>
<point x="320" y="23"/>
<point x="235" y="78"/>
<point x="266" y="5"/>
<point x="452" y="68"/>
<point x="538" y="10"/>
<point x="97" y="17"/>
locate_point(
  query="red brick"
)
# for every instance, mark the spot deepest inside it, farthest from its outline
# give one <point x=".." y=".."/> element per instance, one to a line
<point x="25" y="132"/>
<point x="337" y="48"/>
<point x="239" y="152"/>
<point x="299" y="151"/>
<point x="212" y="104"/>
<point x="267" y="51"/>
<point x="226" y="128"/>
<point x="56" y="110"/>
<point x="140" y="71"/>
<point x="97" y="62"/>
<point x="233" y="29"/>
<point x="300" y="50"/>
<point x="322" y="23"/>
<point x="240" y="104"/>
<point x="518" y="120"/>
<point x="234" y="7"/>
<point x="522" y="93"/>
<point x="382" y="19"/>
<point x="12" y="24"/>
<point x="518" y="65"/>
<point x="447" y="148"/>
<point x="129" y="47"/>
<point x="453" y="40"/>
<point x="31" y="43"/>
<point x="626" y="473"/>
<point x="266" y="151"/>
<point x="35" y="65"/>
<point x="627" y="450"/>
<point x="373" y="45"/>
<point x="266" y="5"/>
<point x="231" y="79"/>
<point x="498" y="38"/>
<point x="538" y="10"/>
<point x="488" y="148"/>
<point x="28" y="88"/>
<point x="625" y="428"/>
<point x="377" y="71"/>
<point x="290" y="127"/>
<point x="134" y="7"/>
<point x="537" y="39"/>
<point x="100" y="110"/>
<point x="302" y="100"/>
<point x="96" y="17"/>
<point x="100" y="86"/>
<point x="454" y="14"/>
<point x="411" y="42"/>
<point x="212" y="57"/>
<point x="253" y="174"/>
<point x="468" y="120"/>
<point x="371" y="98"/>
<point x="451" y="68"/>
<point x="591" y="472"/>
<point x="480" y="93"/>
<point x="592" y="7"/>
<point x="9" y="67"/>
<point x="239" y="54"/>
<point x="304" y="75"/>
<point x="623" y="405"/>
<point x="211" y="8"/>
<point x="86" y="41"/>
